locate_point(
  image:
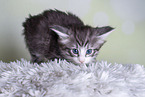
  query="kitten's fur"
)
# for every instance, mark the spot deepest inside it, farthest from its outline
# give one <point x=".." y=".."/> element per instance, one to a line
<point x="58" y="35"/>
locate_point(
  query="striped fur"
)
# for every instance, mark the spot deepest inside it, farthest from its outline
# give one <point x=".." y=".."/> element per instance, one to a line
<point x="55" y="34"/>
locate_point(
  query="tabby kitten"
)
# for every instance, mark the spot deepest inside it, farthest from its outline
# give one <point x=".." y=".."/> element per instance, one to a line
<point x="59" y="35"/>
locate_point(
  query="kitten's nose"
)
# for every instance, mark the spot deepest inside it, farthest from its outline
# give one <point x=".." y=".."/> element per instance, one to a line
<point x="82" y="60"/>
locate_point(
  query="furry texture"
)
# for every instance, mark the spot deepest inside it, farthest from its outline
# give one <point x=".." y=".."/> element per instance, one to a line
<point x="63" y="79"/>
<point x="54" y="34"/>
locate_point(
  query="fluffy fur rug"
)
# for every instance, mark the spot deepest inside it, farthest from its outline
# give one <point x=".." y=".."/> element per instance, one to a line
<point x="62" y="79"/>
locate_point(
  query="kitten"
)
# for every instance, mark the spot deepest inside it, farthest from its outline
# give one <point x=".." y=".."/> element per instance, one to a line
<point x="59" y="35"/>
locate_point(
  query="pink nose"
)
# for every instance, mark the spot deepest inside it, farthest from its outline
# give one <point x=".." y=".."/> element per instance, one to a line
<point x="82" y="61"/>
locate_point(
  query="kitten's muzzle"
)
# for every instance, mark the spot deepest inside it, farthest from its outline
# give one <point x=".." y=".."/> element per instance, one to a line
<point x="82" y="60"/>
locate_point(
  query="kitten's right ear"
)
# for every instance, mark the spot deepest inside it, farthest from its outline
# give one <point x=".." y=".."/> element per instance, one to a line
<point x="62" y="32"/>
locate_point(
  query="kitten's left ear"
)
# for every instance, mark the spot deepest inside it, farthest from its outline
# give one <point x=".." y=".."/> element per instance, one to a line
<point x="62" y="32"/>
<point x="103" y="32"/>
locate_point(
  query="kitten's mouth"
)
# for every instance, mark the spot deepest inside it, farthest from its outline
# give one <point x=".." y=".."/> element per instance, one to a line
<point x="78" y="63"/>
<point x="82" y="62"/>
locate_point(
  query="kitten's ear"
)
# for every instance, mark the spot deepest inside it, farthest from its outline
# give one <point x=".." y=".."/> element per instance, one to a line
<point x="103" y="32"/>
<point x="62" y="32"/>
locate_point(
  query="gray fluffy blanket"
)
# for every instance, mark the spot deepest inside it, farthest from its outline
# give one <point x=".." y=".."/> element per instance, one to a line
<point x="63" y="79"/>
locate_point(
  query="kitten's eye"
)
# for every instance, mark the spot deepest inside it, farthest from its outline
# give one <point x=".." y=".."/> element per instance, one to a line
<point x="75" y="51"/>
<point x="89" y="51"/>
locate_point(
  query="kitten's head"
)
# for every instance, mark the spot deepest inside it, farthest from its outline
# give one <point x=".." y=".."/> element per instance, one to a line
<point x="80" y="45"/>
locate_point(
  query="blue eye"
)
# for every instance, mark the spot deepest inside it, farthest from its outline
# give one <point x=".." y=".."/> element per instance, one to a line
<point x="75" y="51"/>
<point x="89" y="51"/>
